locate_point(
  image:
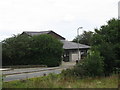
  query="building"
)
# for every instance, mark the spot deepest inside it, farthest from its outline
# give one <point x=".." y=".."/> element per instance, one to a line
<point x="70" y="48"/>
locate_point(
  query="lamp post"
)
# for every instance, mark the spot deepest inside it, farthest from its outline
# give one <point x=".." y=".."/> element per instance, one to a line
<point x="78" y="42"/>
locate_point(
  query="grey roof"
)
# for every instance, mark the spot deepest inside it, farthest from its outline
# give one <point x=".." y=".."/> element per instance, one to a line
<point x="73" y="45"/>
<point x="33" y="33"/>
<point x="66" y="44"/>
<point x="36" y="33"/>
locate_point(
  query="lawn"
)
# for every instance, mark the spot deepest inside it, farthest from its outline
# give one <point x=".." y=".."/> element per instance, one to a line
<point x="58" y="81"/>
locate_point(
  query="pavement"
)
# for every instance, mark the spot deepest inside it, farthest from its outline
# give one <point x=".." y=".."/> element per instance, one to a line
<point x="18" y="74"/>
<point x="5" y="69"/>
<point x="10" y="71"/>
<point x="26" y="70"/>
<point x="24" y="76"/>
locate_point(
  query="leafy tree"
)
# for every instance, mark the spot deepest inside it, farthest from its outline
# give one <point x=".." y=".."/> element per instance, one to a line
<point x="84" y="38"/>
<point x="46" y="50"/>
<point x="106" y="40"/>
<point x="36" y="50"/>
<point x="15" y="50"/>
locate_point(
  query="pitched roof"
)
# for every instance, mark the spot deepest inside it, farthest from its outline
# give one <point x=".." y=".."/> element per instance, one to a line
<point x="66" y="44"/>
<point x="32" y="33"/>
<point x="73" y="45"/>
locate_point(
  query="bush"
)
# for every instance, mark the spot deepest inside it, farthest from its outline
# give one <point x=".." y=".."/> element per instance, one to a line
<point x="92" y="65"/>
<point x="79" y="69"/>
<point x="67" y="73"/>
<point x="16" y="50"/>
<point x="36" y="50"/>
<point x="107" y="41"/>
<point x="46" y="50"/>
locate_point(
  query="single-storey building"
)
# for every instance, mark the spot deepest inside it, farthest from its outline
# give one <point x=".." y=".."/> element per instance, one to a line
<point x="70" y="48"/>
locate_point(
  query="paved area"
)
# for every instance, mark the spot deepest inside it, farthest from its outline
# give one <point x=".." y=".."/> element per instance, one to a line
<point x="26" y="70"/>
<point x="29" y="70"/>
<point x="29" y="75"/>
<point x="6" y="69"/>
<point x="68" y="64"/>
<point x="17" y="74"/>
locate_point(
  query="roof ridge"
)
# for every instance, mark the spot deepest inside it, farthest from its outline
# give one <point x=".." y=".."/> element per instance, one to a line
<point x="38" y="31"/>
<point x="42" y="32"/>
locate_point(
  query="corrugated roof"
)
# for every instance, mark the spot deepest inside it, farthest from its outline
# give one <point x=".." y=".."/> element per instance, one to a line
<point x="73" y="45"/>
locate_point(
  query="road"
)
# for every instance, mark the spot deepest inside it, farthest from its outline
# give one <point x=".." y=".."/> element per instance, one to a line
<point x="25" y="70"/>
<point x="18" y="74"/>
<point x="29" y="75"/>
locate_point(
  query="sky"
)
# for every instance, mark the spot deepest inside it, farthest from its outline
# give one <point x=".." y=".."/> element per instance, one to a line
<point x="62" y="16"/>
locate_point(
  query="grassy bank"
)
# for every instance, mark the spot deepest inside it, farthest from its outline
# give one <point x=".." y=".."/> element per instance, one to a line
<point x="57" y="81"/>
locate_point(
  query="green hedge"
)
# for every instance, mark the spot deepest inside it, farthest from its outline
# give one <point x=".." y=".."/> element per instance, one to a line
<point x="36" y="50"/>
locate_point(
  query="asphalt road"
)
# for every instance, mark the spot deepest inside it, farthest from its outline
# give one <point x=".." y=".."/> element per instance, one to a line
<point x="29" y="75"/>
<point x="24" y="70"/>
<point x="18" y="74"/>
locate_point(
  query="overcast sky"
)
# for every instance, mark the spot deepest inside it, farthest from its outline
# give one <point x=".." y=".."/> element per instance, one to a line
<point x="61" y="16"/>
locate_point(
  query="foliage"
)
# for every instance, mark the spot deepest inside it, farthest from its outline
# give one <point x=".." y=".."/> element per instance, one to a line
<point x="92" y="65"/>
<point x="58" y="81"/>
<point x="84" y="38"/>
<point x="68" y="73"/>
<point x="16" y="50"/>
<point x="46" y="50"/>
<point x="106" y="41"/>
<point x="36" y="50"/>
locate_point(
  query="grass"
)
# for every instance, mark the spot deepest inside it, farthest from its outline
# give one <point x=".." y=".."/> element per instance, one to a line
<point x="58" y="81"/>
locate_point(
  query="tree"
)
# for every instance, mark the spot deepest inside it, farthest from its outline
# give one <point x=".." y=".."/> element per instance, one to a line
<point x="36" y="50"/>
<point x="47" y="50"/>
<point x="106" y="40"/>
<point x="84" y="38"/>
<point x="16" y="50"/>
<point x="104" y="57"/>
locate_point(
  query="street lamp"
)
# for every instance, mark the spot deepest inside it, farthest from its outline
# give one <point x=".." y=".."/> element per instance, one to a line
<point x="78" y="42"/>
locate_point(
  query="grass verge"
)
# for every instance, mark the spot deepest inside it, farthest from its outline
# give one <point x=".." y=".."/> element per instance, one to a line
<point x="58" y="81"/>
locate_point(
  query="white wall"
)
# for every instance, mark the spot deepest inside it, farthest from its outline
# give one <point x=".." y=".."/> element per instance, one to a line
<point x="74" y="56"/>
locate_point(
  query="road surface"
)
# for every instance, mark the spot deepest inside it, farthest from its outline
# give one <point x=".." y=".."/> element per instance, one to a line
<point x="29" y="75"/>
<point x="18" y="74"/>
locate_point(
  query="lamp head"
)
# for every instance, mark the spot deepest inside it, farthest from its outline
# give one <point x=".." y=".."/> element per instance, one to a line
<point x="80" y="27"/>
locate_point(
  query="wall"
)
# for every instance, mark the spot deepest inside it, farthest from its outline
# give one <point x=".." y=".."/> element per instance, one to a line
<point x="73" y="56"/>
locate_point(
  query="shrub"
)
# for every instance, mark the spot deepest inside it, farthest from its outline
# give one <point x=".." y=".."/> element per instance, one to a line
<point x="16" y="50"/>
<point x="46" y="50"/>
<point x="79" y="69"/>
<point x="36" y="50"/>
<point x="107" y="41"/>
<point x="67" y="73"/>
<point x="92" y="65"/>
